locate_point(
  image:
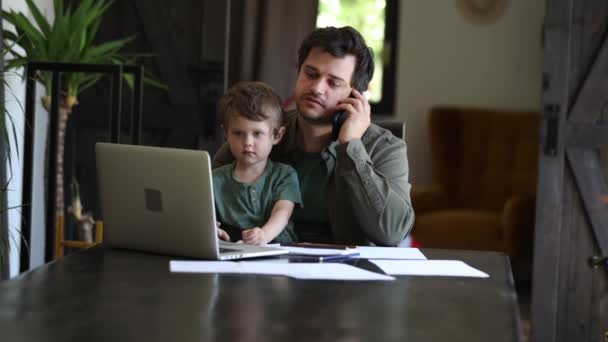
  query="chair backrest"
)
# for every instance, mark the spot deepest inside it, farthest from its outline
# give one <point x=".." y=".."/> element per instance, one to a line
<point x="397" y="127"/>
<point x="481" y="157"/>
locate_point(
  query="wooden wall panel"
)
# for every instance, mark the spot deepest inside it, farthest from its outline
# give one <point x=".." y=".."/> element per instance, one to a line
<point x="576" y="62"/>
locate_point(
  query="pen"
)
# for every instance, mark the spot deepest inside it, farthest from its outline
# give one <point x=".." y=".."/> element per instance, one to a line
<point x="318" y="245"/>
<point x="321" y="258"/>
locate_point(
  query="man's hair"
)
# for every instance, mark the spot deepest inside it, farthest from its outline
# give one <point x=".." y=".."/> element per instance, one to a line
<point x="340" y="42"/>
<point x="253" y="100"/>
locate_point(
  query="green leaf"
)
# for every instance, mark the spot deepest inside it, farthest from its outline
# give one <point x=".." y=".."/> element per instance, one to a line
<point x="10" y="43"/>
<point x="25" y="43"/>
<point x="155" y="83"/>
<point x="9" y="16"/>
<point x="43" y="24"/>
<point x="57" y="42"/>
<point x="58" y="5"/>
<point x="85" y="15"/>
<point x="5" y="130"/>
<point x="103" y="52"/>
<point x="83" y="8"/>
<point x="92" y="31"/>
<point x="31" y="33"/>
<point x="15" y="38"/>
<point x="10" y="36"/>
<point x="88" y="83"/>
<point x="15" y="63"/>
<point x="130" y="79"/>
<point x="6" y="137"/>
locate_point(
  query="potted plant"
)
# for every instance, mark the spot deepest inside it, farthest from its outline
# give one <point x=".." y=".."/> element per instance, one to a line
<point x="5" y="233"/>
<point x="70" y="38"/>
<point x="7" y="133"/>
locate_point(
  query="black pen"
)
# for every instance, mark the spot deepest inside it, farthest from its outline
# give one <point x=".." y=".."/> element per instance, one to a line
<point x="321" y="258"/>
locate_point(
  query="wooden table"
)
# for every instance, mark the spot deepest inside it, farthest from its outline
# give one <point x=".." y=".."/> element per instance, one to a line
<point x="116" y="295"/>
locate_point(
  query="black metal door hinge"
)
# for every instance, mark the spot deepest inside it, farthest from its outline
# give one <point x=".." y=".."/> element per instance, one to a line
<point x="551" y="114"/>
<point x="596" y="262"/>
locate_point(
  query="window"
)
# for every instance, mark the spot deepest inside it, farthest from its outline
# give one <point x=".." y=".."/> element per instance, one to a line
<point x="376" y="20"/>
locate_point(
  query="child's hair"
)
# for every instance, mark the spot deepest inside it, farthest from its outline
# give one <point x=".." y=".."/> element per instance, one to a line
<point x="253" y="100"/>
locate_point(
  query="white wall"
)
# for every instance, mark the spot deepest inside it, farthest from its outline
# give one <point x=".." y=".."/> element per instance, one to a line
<point x="443" y="59"/>
<point x="15" y="103"/>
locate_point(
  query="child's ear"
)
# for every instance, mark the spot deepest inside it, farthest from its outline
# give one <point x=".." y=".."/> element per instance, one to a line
<point x="279" y="135"/>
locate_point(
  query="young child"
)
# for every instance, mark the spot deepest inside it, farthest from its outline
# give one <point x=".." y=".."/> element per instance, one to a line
<point x="254" y="196"/>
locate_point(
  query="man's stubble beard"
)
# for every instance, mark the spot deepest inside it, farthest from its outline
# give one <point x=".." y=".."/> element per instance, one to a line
<point x="322" y="120"/>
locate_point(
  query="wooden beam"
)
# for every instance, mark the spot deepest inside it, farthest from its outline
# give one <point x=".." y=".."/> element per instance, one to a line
<point x="591" y="183"/>
<point x="592" y="99"/>
<point x="548" y="225"/>
<point x="584" y="135"/>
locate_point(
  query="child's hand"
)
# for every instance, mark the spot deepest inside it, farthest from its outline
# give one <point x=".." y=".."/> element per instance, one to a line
<point x="221" y="234"/>
<point x="255" y="236"/>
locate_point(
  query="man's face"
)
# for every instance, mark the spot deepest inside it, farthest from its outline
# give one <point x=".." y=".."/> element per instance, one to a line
<point x="323" y="80"/>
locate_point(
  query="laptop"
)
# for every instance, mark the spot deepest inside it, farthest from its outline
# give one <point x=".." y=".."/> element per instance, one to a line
<point x="160" y="200"/>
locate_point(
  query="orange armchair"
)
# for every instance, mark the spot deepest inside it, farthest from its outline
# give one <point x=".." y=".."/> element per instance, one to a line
<point x="484" y="165"/>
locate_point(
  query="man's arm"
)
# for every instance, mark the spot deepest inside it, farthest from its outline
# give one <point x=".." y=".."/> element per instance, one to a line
<point x="281" y="212"/>
<point x="378" y="188"/>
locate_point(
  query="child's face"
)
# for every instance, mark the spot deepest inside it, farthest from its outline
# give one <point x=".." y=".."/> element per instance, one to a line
<point x="251" y="141"/>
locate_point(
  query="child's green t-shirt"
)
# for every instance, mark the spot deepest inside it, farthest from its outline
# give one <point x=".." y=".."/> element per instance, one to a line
<point x="241" y="206"/>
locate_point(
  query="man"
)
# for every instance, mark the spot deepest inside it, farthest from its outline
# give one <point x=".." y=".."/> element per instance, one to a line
<point x="355" y="189"/>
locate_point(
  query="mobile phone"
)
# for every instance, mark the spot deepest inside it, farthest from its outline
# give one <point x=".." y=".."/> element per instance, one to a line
<point x="338" y="119"/>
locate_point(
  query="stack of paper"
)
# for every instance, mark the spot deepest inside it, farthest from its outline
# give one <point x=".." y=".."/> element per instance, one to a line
<point x="331" y="271"/>
<point x="391" y="260"/>
<point x="450" y="268"/>
<point x="390" y="253"/>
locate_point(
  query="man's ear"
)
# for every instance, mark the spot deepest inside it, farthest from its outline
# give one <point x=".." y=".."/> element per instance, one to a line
<point x="279" y="135"/>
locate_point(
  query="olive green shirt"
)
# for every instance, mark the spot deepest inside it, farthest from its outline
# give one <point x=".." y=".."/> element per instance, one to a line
<point x="241" y="206"/>
<point x="313" y="220"/>
<point x="368" y="192"/>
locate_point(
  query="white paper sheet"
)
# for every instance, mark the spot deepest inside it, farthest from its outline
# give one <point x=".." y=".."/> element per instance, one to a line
<point x="389" y="253"/>
<point x="451" y="268"/>
<point x="335" y="271"/>
<point x="327" y="271"/>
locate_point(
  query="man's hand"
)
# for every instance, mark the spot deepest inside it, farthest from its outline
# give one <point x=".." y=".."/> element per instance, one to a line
<point x="221" y="234"/>
<point x="359" y="117"/>
<point x="255" y="236"/>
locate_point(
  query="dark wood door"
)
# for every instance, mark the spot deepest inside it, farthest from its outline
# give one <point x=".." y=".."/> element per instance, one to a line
<point x="570" y="281"/>
<point x="185" y="42"/>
